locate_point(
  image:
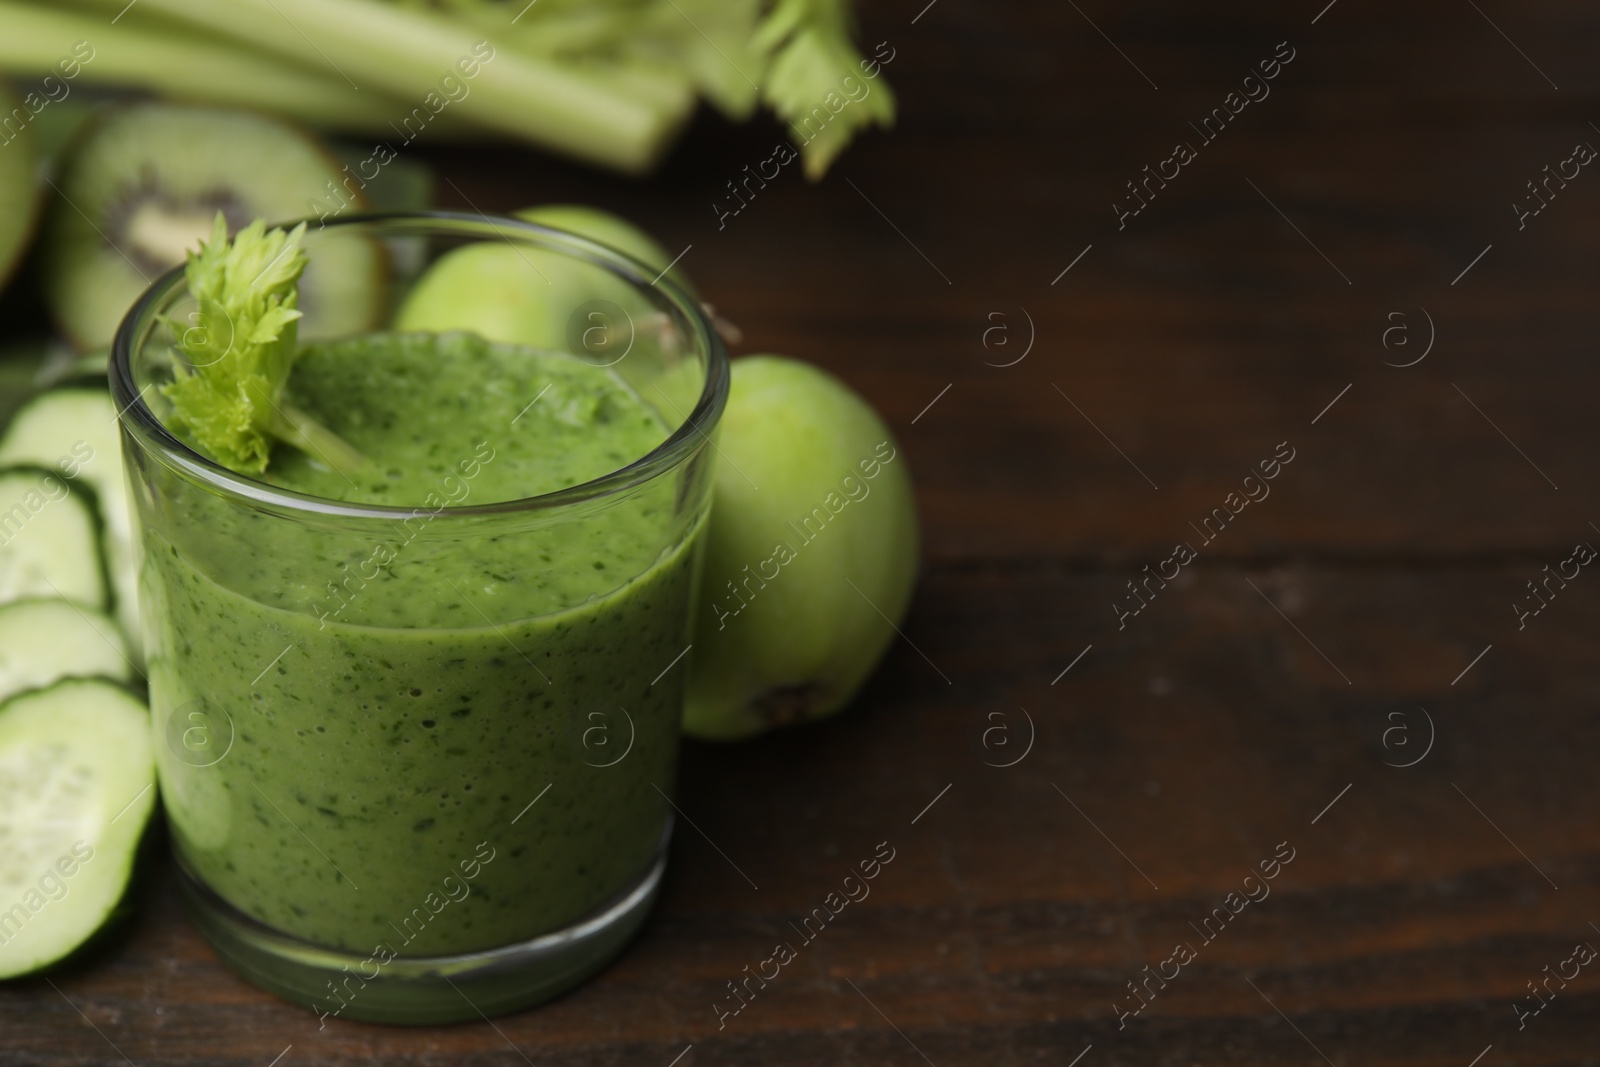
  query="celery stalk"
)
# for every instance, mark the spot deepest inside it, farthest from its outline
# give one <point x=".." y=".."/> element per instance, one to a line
<point x="183" y="64"/>
<point x="669" y="92"/>
<point x="705" y="44"/>
<point x="404" y="53"/>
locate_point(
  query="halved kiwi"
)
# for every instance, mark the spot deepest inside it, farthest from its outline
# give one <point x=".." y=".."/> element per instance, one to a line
<point x="141" y="186"/>
<point x="19" y="195"/>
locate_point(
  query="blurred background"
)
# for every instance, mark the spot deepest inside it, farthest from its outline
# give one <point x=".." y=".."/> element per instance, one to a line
<point x="1373" y="266"/>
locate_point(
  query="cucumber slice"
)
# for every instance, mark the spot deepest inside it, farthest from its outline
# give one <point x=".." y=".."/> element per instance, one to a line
<point x="44" y="641"/>
<point x="77" y="785"/>
<point x="49" y="540"/>
<point x="75" y="431"/>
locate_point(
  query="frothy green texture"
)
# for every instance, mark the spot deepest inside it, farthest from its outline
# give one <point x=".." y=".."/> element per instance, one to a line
<point x="418" y="405"/>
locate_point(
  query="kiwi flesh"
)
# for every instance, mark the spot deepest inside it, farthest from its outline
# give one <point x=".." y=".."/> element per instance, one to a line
<point x="19" y="193"/>
<point x="141" y="186"/>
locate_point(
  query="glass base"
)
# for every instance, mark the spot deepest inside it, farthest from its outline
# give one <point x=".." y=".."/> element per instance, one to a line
<point x="422" y="989"/>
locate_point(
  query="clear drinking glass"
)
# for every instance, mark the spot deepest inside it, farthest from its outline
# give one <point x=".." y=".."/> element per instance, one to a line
<point x="416" y="761"/>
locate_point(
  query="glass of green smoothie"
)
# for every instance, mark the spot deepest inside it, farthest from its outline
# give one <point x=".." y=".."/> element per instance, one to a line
<point x="416" y="685"/>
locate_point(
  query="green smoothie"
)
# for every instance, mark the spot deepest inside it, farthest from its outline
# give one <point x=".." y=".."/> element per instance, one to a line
<point x="377" y="715"/>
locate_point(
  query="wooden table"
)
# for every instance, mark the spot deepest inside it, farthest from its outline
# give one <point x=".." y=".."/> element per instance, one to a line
<point x="1339" y="674"/>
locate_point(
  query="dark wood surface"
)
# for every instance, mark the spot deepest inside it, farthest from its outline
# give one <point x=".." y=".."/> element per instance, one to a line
<point x="1325" y="637"/>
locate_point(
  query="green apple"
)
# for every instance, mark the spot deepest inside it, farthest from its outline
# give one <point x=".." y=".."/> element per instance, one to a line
<point x="19" y="192"/>
<point x="515" y="292"/>
<point x="495" y="290"/>
<point x="811" y="554"/>
<point x="607" y="229"/>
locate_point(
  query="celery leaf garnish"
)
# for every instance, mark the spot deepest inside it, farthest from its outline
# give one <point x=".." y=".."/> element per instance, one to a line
<point x="811" y="56"/>
<point x="237" y="348"/>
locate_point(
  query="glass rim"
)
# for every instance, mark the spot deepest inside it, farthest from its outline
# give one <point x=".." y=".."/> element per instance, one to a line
<point x="135" y="415"/>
